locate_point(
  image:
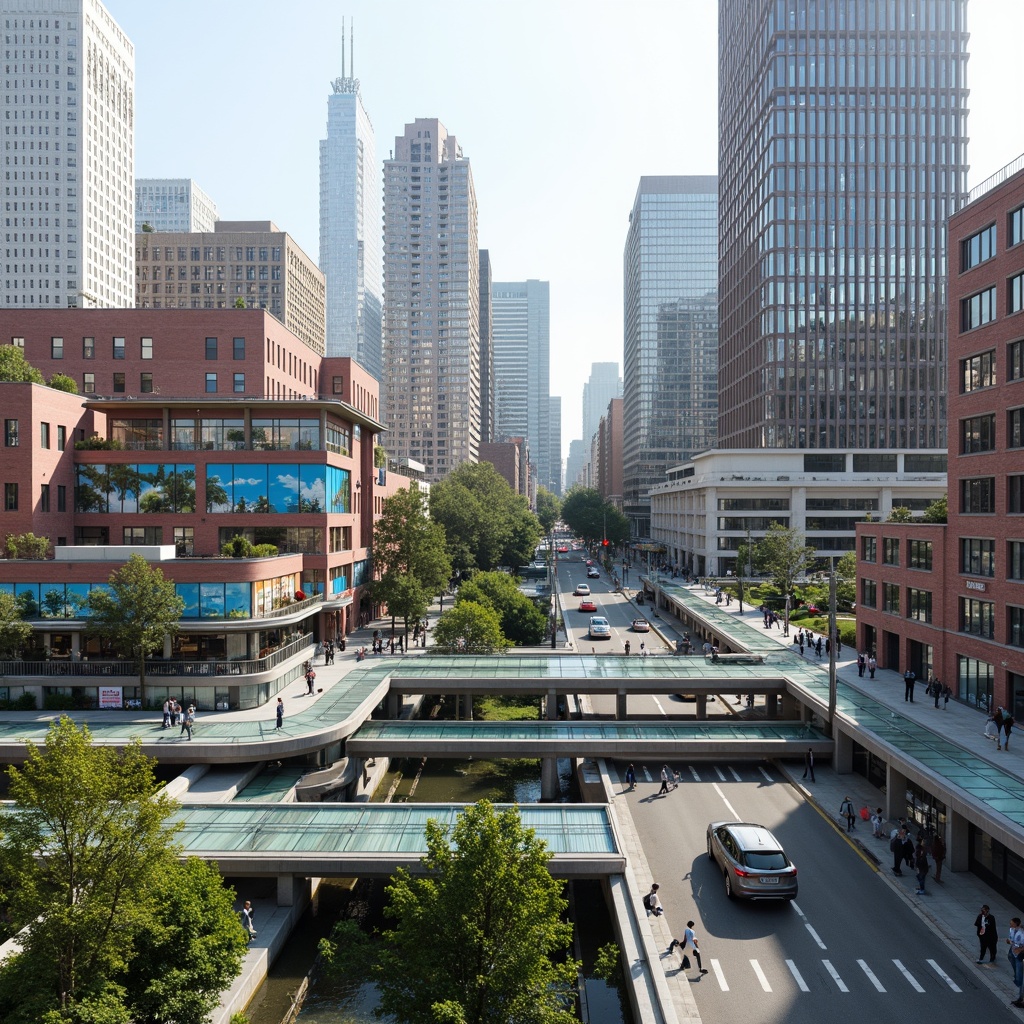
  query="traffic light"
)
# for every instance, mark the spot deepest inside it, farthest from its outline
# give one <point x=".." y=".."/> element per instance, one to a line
<point x="604" y="543"/>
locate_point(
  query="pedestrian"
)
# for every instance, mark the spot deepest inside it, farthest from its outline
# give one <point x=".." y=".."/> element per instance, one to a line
<point x="800" y="641"/>
<point x="247" y="920"/>
<point x="689" y="939"/>
<point x="817" y="647"/>
<point x="946" y="694"/>
<point x="1015" y="954"/>
<point x="167" y="713"/>
<point x="921" y="866"/>
<point x="991" y="726"/>
<point x="1007" y="727"/>
<point x="872" y="665"/>
<point x="652" y="902"/>
<point x="998" y="719"/>
<point x="846" y="811"/>
<point x="909" y="678"/>
<point x="935" y="689"/>
<point x="809" y="764"/>
<point x="876" y="823"/>
<point x="861" y="664"/>
<point x="631" y="776"/>
<point x="664" y="779"/>
<point x="988" y="936"/>
<point x="938" y="855"/>
<point x="310" y="676"/>
<point x="908" y="848"/>
<point x="280" y="713"/>
<point x="643" y="649"/>
<point x="188" y="720"/>
<point x="175" y="711"/>
<point x="896" y="846"/>
<point x="626" y="645"/>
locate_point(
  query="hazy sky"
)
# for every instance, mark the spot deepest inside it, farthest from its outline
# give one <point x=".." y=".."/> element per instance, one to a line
<point x="560" y="105"/>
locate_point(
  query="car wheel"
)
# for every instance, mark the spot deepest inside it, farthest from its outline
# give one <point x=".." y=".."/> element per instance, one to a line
<point x="728" y="886"/>
<point x="711" y="856"/>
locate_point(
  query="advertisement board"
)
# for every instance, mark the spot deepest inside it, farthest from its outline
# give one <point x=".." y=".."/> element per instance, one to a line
<point x="111" y="696"/>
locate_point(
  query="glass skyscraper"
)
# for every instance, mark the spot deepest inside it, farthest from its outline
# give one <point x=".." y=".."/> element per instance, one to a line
<point x="670" y="333"/>
<point x="842" y="151"/>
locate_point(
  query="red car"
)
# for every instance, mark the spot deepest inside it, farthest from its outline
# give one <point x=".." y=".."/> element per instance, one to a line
<point x="588" y="606"/>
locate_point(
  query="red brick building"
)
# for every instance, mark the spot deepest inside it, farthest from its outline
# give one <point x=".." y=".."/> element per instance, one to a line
<point x="949" y="599"/>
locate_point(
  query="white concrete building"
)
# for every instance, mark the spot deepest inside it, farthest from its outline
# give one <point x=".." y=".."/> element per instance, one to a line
<point x="69" y="99"/>
<point x="173" y="204"/>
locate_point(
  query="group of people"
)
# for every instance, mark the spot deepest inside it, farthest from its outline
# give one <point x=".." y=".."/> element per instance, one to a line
<point x="175" y="713"/>
<point x="327" y="649"/>
<point x="915" y="854"/>
<point x="987" y="930"/>
<point x="652" y="904"/>
<point x="998" y="727"/>
<point x="392" y="643"/>
<point x="866" y="660"/>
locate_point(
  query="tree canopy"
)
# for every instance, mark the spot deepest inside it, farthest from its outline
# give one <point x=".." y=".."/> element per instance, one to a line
<point x="486" y="523"/>
<point x="782" y="554"/>
<point x="592" y="518"/>
<point x="549" y="509"/>
<point x="900" y="514"/>
<point x="521" y="620"/>
<point x="62" y="382"/>
<point x="15" y="367"/>
<point x="469" y="628"/>
<point x="937" y="511"/>
<point x="15" y="632"/>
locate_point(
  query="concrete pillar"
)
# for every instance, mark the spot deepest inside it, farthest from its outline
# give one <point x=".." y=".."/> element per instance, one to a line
<point x="896" y="800"/>
<point x="842" y="752"/>
<point x="168" y="649"/>
<point x="393" y="704"/>
<point x="549" y="779"/>
<point x="286" y="890"/>
<point x="957" y="842"/>
<point x="467" y="707"/>
<point x="551" y="706"/>
<point x="76" y="646"/>
<point x="621" y="701"/>
<point x="771" y="705"/>
<point x="702" y="707"/>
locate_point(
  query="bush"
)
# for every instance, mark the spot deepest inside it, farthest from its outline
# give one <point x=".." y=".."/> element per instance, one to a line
<point x="26" y="702"/>
<point x="264" y="551"/>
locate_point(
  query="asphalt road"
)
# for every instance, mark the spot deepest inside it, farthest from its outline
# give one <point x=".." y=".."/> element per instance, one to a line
<point x="844" y="947"/>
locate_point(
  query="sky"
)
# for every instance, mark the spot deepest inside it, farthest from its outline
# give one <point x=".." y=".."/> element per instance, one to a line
<point x="560" y="106"/>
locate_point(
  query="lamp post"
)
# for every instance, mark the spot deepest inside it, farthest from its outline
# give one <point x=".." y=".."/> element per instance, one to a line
<point x="831" y="645"/>
<point x="552" y="584"/>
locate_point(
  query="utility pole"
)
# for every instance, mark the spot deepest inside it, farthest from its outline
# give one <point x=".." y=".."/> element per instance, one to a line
<point x="829" y="726"/>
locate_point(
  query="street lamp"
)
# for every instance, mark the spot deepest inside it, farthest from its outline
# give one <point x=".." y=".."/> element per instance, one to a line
<point x="831" y="644"/>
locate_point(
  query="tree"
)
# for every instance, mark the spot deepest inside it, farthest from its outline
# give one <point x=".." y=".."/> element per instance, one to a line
<point x="521" y="620"/>
<point x="62" y="382"/>
<point x="783" y="554"/>
<point x="137" y="610"/>
<point x="549" y="509"/>
<point x="469" y="628"/>
<point x="846" y="580"/>
<point x="15" y="632"/>
<point x="15" y="367"/>
<point x="900" y="514"/>
<point x="481" y="939"/>
<point x="405" y="597"/>
<point x="28" y="545"/>
<point x="592" y="518"/>
<point x="239" y="302"/>
<point x="86" y="844"/>
<point x="937" y="511"/>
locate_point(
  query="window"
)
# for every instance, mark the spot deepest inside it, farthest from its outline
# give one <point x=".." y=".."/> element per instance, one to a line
<point x="978" y="310"/>
<point x="184" y="540"/>
<point x="874" y="463"/>
<point x="119" y="348"/>
<point x="211" y="383"/>
<point x="1015" y="234"/>
<point x="977" y="617"/>
<point x="919" y="605"/>
<point x="1015" y="294"/>
<point x="11" y="438"/>
<point x="978" y="372"/>
<point x="977" y="556"/>
<point x="44" y="435"/>
<point x="1015" y="360"/>
<point x="1015" y="494"/>
<point x="978" y="434"/>
<point x="821" y="463"/>
<point x="118" y="383"/>
<point x="88" y="348"/>
<point x="338" y="385"/>
<point x="891" y="598"/>
<point x="978" y="495"/>
<point x="921" y="555"/>
<point x="44" y="498"/>
<point x="869" y="549"/>
<point x="869" y="593"/>
<point x="56" y="348"/>
<point x="89" y="383"/>
<point x="1015" y="428"/>
<point x="1015" y="626"/>
<point x="979" y="247"/>
<point x="10" y="497"/>
<point x="890" y="551"/>
<point x="62" y="438"/>
<point x="924" y="463"/>
<point x="142" y="535"/>
<point x="239" y="382"/>
<point x="62" y="498"/>
<point x="211" y="348"/>
<point x="238" y="348"/>
<point x="146" y="383"/>
<point x="147" y="348"/>
<point x="18" y="343"/>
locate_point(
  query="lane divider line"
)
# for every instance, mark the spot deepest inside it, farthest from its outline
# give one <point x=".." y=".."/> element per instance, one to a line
<point x="914" y="984"/>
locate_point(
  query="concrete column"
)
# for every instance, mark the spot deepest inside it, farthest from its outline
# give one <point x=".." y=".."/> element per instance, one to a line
<point x="896" y="801"/>
<point x="393" y="706"/>
<point x="842" y="752"/>
<point x="621" y="700"/>
<point x="76" y="645"/>
<point x="771" y="705"/>
<point x="957" y="842"/>
<point x="551" y="706"/>
<point x="467" y="707"/>
<point x="168" y="647"/>
<point x="702" y="707"/>
<point x="286" y="890"/>
<point x="548" y="779"/>
<point x="791" y="709"/>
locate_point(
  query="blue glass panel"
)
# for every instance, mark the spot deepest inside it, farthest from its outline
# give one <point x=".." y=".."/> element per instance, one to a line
<point x="339" y="585"/>
<point x="91" y="488"/>
<point x="151" y="497"/>
<point x="237" y="598"/>
<point x="182" y="487"/>
<point x="284" y="487"/>
<point x="6" y="588"/>
<point x="77" y="595"/>
<point x="339" y="487"/>
<point x="189" y="593"/>
<point x="211" y="600"/>
<point x="218" y="487"/>
<point x="249" y="488"/>
<point x="53" y="604"/>
<point x="312" y="488"/>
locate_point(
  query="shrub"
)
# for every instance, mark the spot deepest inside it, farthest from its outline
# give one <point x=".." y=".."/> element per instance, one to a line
<point x="26" y="702"/>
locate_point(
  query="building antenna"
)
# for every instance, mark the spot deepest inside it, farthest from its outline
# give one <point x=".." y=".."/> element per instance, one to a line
<point x="352" y="47"/>
<point x="342" y="47"/>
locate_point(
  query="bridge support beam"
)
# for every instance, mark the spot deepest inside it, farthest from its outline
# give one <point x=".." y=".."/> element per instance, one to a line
<point x="771" y="705"/>
<point x="551" y="706"/>
<point x="286" y="890"/>
<point x="702" y="707"/>
<point x="792" y="708"/>
<point x="896" y="797"/>
<point x="394" y="704"/>
<point x="621" y="705"/>
<point x="958" y="842"/>
<point x="466" y="714"/>
<point x="842" y="752"/>
<point x="549" y="788"/>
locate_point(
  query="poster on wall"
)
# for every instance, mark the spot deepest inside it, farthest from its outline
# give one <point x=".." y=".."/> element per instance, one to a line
<point x="111" y="696"/>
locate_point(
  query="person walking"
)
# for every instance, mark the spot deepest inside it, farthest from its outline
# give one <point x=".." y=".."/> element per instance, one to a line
<point x="861" y="664"/>
<point x="279" y="710"/>
<point x="988" y="936"/>
<point x="310" y="677"/>
<point x="876" y="823"/>
<point x="1015" y="955"/>
<point x="688" y="939"/>
<point x="664" y="779"/>
<point x="872" y="665"/>
<point x="1007" y="728"/>
<point x="921" y="866"/>
<point x="846" y="811"/>
<point x="909" y="678"/>
<point x="935" y="690"/>
<point x="167" y="713"/>
<point x="946" y="694"/>
<point x="652" y="901"/>
<point x="631" y="776"/>
<point x="817" y="647"/>
<point x="188" y="720"/>
<point x="938" y="855"/>
<point x="247" y="920"/>
<point x="997" y="718"/>
<point x="809" y="764"/>
<point x="896" y="846"/>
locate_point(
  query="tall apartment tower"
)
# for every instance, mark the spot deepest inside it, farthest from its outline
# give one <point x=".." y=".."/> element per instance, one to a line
<point x="70" y="155"/>
<point x="605" y="383"/>
<point x="554" y="481"/>
<point x="432" y="302"/>
<point x="842" y="152"/>
<point x="670" y="334"/>
<point x="172" y="204"/>
<point x="350" y="224"/>
<point x="521" y="342"/>
<point x="486" y="350"/>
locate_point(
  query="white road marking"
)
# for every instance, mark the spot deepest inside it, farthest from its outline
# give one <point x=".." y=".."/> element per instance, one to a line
<point x="728" y="805"/>
<point x="943" y="975"/>
<point x="871" y="976"/>
<point x="768" y="778"/>
<point x="735" y="774"/>
<point x="694" y="773"/>
<point x="835" y="976"/>
<point x="657" y="704"/>
<point x="720" y="774"/>
<point x="815" y="935"/>
<point x="717" y="968"/>
<point x="760" y="976"/>
<point x="797" y="910"/>
<point x="906" y="974"/>
<point x="797" y="976"/>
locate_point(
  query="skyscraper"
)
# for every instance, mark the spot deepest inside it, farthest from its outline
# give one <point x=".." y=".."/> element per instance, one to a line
<point x="842" y="150"/>
<point x="670" y="334"/>
<point x="521" y="342"/>
<point x="486" y="351"/>
<point x="173" y="204"/>
<point x="554" y="481"/>
<point x="604" y="384"/>
<point x="432" y="302"/>
<point x="72" y="189"/>
<point x="350" y="224"/>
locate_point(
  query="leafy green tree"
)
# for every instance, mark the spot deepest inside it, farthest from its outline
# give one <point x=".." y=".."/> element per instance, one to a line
<point x="405" y="597"/>
<point x="783" y="554"/>
<point x="592" y="518"/>
<point x="521" y="620"/>
<point x="937" y="511"/>
<point x="900" y="514"/>
<point x="846" y="580"/>
<point x="135" y="612"/>
<point x="28" y="545"/>
<point x="62" y="382"/>
<point x="239" y="302"/>
<point x="469" y="628"/>
<point x="549" y="509"/>
<point x="86" y="843"/>
<point x="15" y="367"/>
<point x="481" y="939"/>
<point x="15" y="632"/>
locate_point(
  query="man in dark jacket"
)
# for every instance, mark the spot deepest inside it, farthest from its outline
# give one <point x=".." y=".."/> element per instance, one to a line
<point x="985" y="927"/>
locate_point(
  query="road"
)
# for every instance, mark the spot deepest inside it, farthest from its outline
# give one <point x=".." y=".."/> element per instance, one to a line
<point x="847" y="945"/>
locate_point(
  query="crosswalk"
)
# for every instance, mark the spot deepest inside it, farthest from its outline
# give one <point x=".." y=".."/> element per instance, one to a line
<point x="703" y="773"/>
<point x="817" y="976"/>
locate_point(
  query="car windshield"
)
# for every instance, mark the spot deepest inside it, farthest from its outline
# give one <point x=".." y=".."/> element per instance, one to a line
<point x="774" y="860"/>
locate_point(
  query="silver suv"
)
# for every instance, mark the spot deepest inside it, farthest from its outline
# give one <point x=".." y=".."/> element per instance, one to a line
<point x="753" y="861"/>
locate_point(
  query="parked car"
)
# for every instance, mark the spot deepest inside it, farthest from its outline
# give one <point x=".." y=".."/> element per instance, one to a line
<point x="593" y="573"/>
<point x="582" y="590"/>
<point x="752" y="860"/>
<point x="641" y="626"/>
<point x="586" y="605"/>
<point x="599" y="628"/>
<point x="590" y="562"/>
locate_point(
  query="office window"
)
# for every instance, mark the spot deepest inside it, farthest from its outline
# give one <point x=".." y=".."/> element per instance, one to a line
<point x="978" y="310"/>
<point x="62" y="498"/>
<point x="338" y="385"/>
<point x="921" y="555"/>
<point x="11" y="436"/>
<point x="978" y="495"/>
<point x="119" y="348"/>
<point x="1015" y="428"/>
<point x="239" y="382"/>
<point x="1015" y="360"/>
<point x="118" y="383"/>
<point x="874" y="463"/>
<point x="89" y="383"/>
<point x="10" y="497"/>
<point x="44" y="435"/>
<point x="1015" y="294"/>
<point x="822" y="463"/>
<point x="869" y="549"/>
<point x="919" y="605"/>
<point x="978" y="372"/>
<point x="978" y="434"/>
<point x="1015" y="626"/>
<point x="147" y="348"/>
<point x="56" y="348"/>
<point x="211" y="383"/>
<point x="88" y="348"/>
<point x="1015" y="494"/>
<point x="62" y="438"/>
<point x="869" y="593"/>
<point x="238" y="348"/>
<point x="18" y="343"/>
<point x="891" y="598"/>
<point x="44" y="498"/>
<point x="146" y="383"/>
<point x="890" y="551"/>
<point x="211" y="348"/>
<point x="978" y="556"/>
<point x="979" y="247"/>
<point x="977" y="617"/>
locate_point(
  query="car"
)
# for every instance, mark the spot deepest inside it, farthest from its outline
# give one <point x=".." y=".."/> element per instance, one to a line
<point x="586" y="605"/>
<point x="752" y="860"/>
<point x="593" y="573"/>
<point x="640" y="626"/>
<point x="563" y="550"/>
<point x="590" y="562"/>
<point x="599" y="628"/>
<point x="582" y="590"/>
